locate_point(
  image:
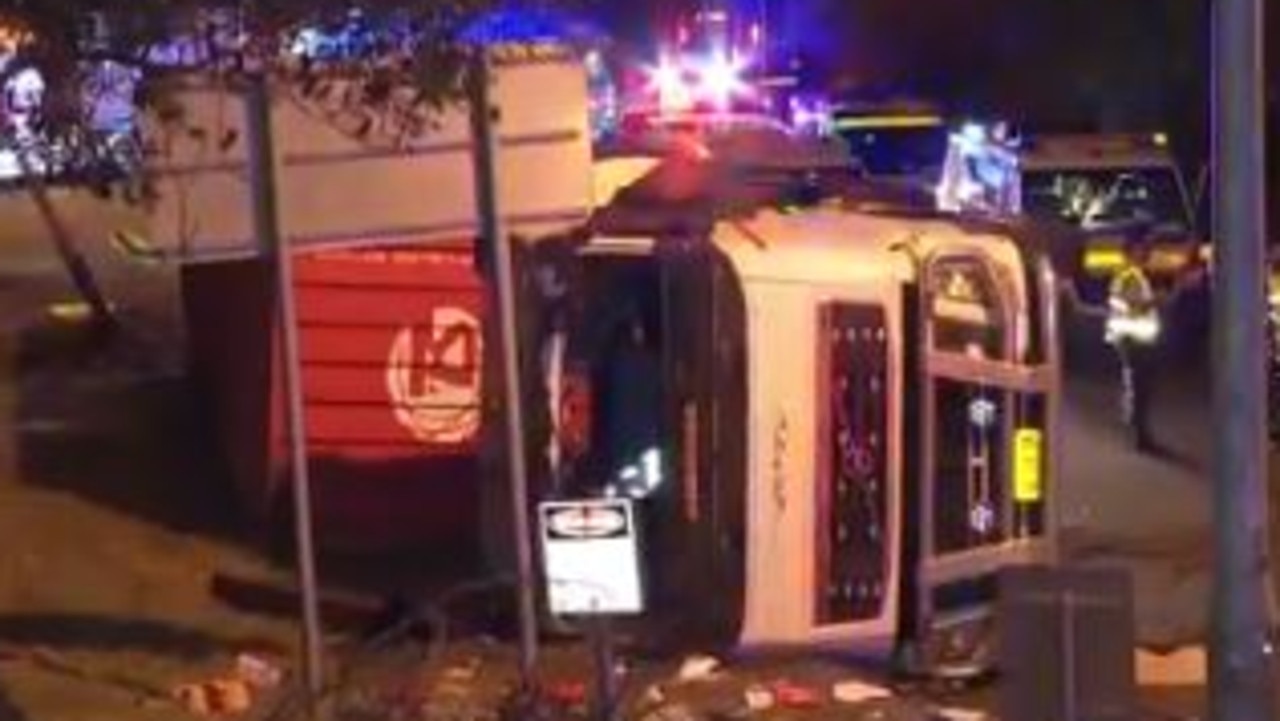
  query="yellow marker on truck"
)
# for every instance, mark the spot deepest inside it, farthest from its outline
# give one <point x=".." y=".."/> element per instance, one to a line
<point x="1028" y="444"/>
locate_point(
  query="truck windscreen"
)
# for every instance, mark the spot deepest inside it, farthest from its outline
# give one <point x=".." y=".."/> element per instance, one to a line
<point x="624" y="344"/>
<point x="885" y="151"/>
<point x="1097" y="198"/>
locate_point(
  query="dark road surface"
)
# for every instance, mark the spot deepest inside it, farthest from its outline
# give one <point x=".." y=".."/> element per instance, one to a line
<point x="1147" y="512"/>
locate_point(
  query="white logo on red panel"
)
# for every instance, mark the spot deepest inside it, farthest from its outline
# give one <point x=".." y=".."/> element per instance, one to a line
<point x="433" y="377"/>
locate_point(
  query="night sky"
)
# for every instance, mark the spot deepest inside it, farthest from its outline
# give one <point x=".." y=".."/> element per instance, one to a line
<point x="1052" y="64"/>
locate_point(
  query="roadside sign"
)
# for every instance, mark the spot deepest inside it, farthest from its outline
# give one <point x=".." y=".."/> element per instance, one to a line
<point x="1028" y="447"/>
<point x="590" y="557"/>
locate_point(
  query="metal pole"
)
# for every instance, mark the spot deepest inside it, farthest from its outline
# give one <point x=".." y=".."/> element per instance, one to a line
<point x="1070" y="685"/>
<point x="606" y="696"/>
<point x="497" y="244"/>
<point x="266" y="225"/>
<point x="1241" y="685"/>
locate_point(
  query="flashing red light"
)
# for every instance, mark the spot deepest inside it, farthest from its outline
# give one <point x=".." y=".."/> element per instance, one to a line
<point x="716" y="82"/>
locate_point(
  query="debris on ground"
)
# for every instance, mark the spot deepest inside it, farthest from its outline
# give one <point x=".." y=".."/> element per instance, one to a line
<point x="1181" y="667"/>
<point x="456" y="693"/>
<point x="462" y="673"/>
<point x="218" y="697"/>
<point x="653" y="695"/>
<point x="793" y="695"/>
<point x="759" y="698"/>
<point x="855" y="692"/>
<point x="960" y="714"/>
<point x="260" y="673"/>
<point x="671" y="712"/>
<point x="193" y="698"/>
<point x="571" y="694"/>
<point x="232" y="693"/>
<point x="698" y="668"/>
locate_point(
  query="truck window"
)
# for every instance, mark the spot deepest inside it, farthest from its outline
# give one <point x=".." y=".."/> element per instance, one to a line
<point x="631" y="418"/>
<point x="624" y="349"/>
<point x="967" y="317"/>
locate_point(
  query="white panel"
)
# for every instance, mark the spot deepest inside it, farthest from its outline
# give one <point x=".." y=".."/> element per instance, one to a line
<point x="337" y="190"/>
<point x="782" y="346"/>
<point x="780" y="467"/>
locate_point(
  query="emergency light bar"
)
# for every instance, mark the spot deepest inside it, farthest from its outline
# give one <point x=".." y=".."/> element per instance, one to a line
<point x="682" y="85"/>
<point x="875" y="122"/>
<point x="1162" y="259"/>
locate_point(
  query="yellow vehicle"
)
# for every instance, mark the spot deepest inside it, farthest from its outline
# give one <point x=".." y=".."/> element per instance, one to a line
<point x="838" y="420"/>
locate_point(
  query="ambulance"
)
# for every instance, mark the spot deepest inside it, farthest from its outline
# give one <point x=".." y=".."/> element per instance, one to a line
<point x="835" y="412"/>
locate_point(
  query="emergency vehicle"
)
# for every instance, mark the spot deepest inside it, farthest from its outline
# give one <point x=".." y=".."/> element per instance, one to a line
<point x="1104" y="184"/>
<point x="1097" y="183"/>
<point x="1115" y="188"/>
<point x="718" y="58"/>
<point x="837" y="414"/>
<point x="1109" y="188"/>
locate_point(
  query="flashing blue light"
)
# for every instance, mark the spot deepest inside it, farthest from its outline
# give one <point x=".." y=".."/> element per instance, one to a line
<point x="527" y="26"/>
<point x="973" y="132"/>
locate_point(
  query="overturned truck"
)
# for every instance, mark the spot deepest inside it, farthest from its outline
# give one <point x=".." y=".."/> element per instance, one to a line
<point x="836" y="412"/>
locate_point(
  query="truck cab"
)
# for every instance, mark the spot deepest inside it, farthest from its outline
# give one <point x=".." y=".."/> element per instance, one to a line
<point x="837" y="420"/>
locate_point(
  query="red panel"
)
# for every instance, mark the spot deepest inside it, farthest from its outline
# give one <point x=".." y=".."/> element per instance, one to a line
<point x="396" y="503"/>
<point x="340" y="345"/>
<point x="391" y="382"/>
<point x="448" y="267"/>
<point x="376" y="305"/>
<point x="329" y="385"/>
<point x="391" y="351"/>
<point x="450" y="346"/>
<point x="426" y="431"/>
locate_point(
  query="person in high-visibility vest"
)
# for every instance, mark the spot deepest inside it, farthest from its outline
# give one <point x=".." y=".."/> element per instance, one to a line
<point x="1133" y="328"/>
